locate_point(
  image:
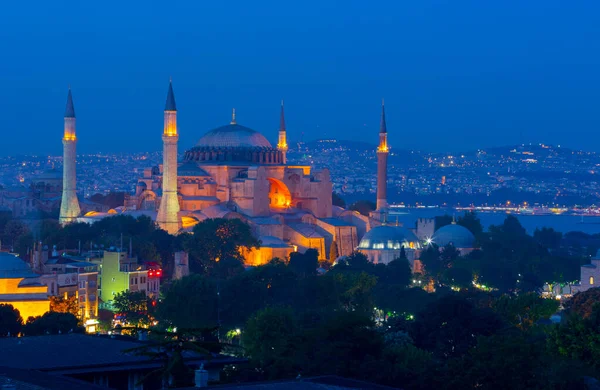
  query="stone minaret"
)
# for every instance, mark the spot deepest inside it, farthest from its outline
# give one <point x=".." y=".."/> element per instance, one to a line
<point x="69" y="206"/>
<point x="382" y="156"/>
<point x="282" y="144"/>
<point x="168" y="218"/>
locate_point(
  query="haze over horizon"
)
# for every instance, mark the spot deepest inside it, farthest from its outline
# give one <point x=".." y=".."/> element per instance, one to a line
<point x="455" y="76"/>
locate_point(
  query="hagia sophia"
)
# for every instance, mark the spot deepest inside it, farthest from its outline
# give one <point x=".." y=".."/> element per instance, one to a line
<point x="233" y="171"/>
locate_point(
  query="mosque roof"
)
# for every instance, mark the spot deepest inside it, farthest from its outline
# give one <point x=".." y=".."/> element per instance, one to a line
<point x="457" y="235"/>
<point x="387" y="237"/>
<point x="11" y="266"/>
<point x="191" y="169"/>
<point x="233" y="136"/>
<point x="50" y="174"/>
<point x="273" y="242"/>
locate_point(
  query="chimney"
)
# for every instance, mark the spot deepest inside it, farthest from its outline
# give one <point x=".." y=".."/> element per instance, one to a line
<point x="201" y="377"/>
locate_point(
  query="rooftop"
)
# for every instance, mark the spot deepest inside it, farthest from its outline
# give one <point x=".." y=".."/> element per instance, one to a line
<point x="78" y="353"/>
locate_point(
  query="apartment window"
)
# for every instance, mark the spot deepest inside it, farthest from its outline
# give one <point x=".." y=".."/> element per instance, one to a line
<point x="92" y="297"/>
<point x="82" y="298"/>
<point x="591" y="280"/>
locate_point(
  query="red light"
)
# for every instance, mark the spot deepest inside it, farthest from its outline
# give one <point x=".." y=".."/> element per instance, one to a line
<point x="158" y="272"/>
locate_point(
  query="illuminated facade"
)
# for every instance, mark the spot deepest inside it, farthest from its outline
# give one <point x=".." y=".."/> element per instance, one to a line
<point x="21" y="288"/>
<point x="69" y="276"/>
<point x="384" y="243"/>
<point x="234" y="172"/>
<point x="120" y="273"/>
<point x="589" y="275"/>
<point x="69" y="206"/>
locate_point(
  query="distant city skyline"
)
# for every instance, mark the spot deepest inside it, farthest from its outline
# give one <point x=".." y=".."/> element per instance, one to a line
<point x="455" y="76"/>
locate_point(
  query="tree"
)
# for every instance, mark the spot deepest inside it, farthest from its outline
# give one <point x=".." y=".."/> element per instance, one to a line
<point x="430" y="258"/>
<point x="52" y="323"/>
<point x="170" y="347"/>
<point x="190" y="303"/>
<point x="15" y="229"/>
<point x="524" y="310"/>
<point x="548" y="237"/>
<point x="337" y="200"/>
<point x="270" y="339"/>
<point x="582" y="303"/>
<point x="403" y="253"/>
<point x="473" y="223"/>
<point x="397" y="272"/>
<point x="64" y="305"/>
<point x="304" y="263"/>
<point x="508" y="361"/>
<point x="442" y="220"/>
<point x="450" y="326"/>
<point x="10" y="321"/>
<point x="216" y="239"/>
<point x="363" y="206"/>
<point x="333" y="251"/>
<point x="134" y="306"/>
<point x="578" y="338"/>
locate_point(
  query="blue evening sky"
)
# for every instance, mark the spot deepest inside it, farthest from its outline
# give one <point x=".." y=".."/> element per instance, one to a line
<point x="455" y="75"/>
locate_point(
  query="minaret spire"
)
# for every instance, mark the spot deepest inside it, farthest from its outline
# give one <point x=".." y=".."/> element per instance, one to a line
<point x="382" y="126"/>
<point x="170" y="105"/>
<point x="233" y="122"/>
<point x="282" y="145"/>
<point x="70" y="110"/>
<point x="382" y="156"/>
<point x="69" y="205"/>
<point x="168" y="212"/>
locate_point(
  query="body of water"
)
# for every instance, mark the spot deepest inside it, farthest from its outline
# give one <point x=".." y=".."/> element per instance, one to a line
<point x="561" y="223"/>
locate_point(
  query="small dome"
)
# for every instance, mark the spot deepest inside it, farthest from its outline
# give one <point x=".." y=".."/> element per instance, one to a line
<point x="457" y="235"/>
<point x="389" y="237"/>
<point x="12" y="266"/>
<point x="233" y="136"/>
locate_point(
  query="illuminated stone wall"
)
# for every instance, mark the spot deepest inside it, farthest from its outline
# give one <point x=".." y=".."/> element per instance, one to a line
<point x="30" y="300"/>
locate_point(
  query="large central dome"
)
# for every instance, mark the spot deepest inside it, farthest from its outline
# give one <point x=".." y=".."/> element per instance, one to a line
<point x="233" y="136"/>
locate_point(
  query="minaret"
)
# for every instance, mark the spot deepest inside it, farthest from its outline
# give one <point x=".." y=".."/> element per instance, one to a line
<point x="69" y="206"/>
<point x="282" y="145"/>
<point x="168" y="218"/>
<point x="382" y="156"/>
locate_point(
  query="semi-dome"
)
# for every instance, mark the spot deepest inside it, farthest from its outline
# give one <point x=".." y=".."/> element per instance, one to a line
<point x="457" y="235"/>
<point x="388" y="237"/>
<point x="233" y="136"/>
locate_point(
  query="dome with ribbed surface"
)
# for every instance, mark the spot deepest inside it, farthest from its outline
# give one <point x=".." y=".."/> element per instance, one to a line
<point x="457" y="235"/>
<point x="388" y="237"/>
<point x="233" y="136"/>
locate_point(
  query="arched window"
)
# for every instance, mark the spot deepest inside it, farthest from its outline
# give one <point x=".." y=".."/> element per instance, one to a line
<point x="591" y="280"/>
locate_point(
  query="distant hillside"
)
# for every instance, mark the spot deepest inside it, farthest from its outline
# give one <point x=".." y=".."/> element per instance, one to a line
<point x="357" y="145"/>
